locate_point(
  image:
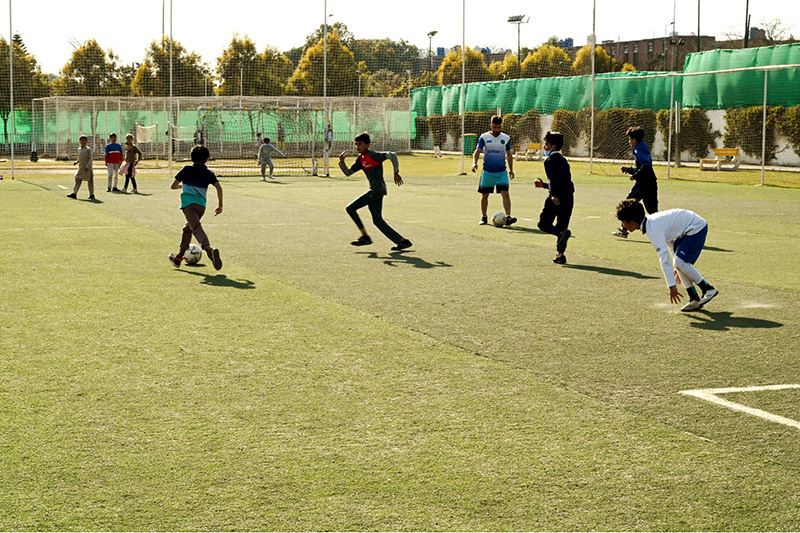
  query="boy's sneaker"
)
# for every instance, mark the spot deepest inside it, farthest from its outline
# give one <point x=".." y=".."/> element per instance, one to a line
<point x="510" y="220"/>
<point x="484" y="221"/>
<point x="621" y="232"/>
<point x="708" y="295"/>
<point x="124" y="191"/>
<point x="561" y="260"/>
<point x="73" y="196"/>
<point x="362" y="241"/>
<point x="108" y="190"/>
<point x="213" y="254"/>
<point x="115" y="189"/>
<point x="402" y="245"/>
<point x="692" y="305"/>
<point x="175" y="259"/>
<point x="92" y="198"/>
<point x="263" y="179"/>
<point x="135" y="191"/>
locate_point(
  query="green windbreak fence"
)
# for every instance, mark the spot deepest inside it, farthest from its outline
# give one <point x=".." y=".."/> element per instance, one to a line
<point x="623" y="89"/>
<point x="742" y="89"/>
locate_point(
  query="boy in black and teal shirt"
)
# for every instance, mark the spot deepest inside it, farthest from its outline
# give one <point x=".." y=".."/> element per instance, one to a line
<point x="194" y="181"/>
<point x="646" y="188"/>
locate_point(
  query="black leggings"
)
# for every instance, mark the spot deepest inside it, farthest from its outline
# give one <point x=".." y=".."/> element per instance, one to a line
<point x="374" y="200"/>
<point x="129" y="176"/>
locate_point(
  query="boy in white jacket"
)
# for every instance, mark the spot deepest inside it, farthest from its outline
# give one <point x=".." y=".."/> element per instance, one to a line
<point x="682" y="231"/>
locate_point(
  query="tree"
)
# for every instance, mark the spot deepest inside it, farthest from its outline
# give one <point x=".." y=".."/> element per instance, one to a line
<point x="627" y="67"/>
<point x="603" y="61"/>
<point x="547" y="61"/>
<point x="507" y="69"/>
<point x="91" y="71"/>
<point x="342" y="75"/>
<point x="385" y="54"/>
<point x="385" y="82"/>
<point x="450" y="70"/>
<point x="29" y="82"/>
<point x="261" y="74"/>
<point x="152" y="77"/>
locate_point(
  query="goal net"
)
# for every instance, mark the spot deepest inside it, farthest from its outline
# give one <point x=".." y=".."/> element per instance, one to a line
<point x="234" y="135"/>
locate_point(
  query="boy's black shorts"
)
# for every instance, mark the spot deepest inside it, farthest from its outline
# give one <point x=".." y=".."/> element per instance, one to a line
<point x="490" y="190"/>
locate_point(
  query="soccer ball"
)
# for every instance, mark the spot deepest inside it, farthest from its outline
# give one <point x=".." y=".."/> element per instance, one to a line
<point x="499" y="219"/>
<point x="193" y="254"/>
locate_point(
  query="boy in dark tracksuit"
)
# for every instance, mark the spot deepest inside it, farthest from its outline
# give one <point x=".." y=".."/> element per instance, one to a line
<point x="372" y="164"/>
<point x="646" y="188"/>
<point x="560" y="201"/>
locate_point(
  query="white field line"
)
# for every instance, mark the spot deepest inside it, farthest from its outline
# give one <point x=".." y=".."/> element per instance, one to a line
<point x="65" y="188"/>
<point x="710" y="395"/>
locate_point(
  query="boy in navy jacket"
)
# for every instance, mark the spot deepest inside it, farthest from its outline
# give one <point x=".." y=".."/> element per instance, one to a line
<point x="646" y="188"/>
<point x="560" y="201"/>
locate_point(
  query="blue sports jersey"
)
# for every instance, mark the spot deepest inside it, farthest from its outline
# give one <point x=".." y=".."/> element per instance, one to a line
<point x="494" y="151"/>
<point x="642" y="154"/>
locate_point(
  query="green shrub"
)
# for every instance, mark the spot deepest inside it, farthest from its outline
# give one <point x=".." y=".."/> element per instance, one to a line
<point x="610" y="126"/>
<point x="790" y="127"/>
<point x="438" y="129"/>
<point x="743" y="127"/>
<point x="528" y="127"/>
<point x="696" y="135"/>
<point x="422" y="132"/>
<point x="565" y="122"/>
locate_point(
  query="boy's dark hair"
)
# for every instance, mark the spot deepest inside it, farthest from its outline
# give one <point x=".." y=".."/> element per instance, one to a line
<point x="497" y="119"/>
<point x="258" y="134"/>
<point x="82" y="137"/>
<point x="363" y="138"/>
<point x="630" y="210"/>
<point x="200" y="154"/>
<point x="112" y="135"/>
<point x="555" y="138"/>
<point x="265" y="140"/>
<point x="635" y="132"/>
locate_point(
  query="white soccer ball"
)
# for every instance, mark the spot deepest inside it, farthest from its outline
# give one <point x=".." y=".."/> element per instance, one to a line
<point x="193" y="254"/>
<point x="499" y="219"/>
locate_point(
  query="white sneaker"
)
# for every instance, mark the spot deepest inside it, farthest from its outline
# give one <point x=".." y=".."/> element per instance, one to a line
<point x="710" y="293"/>
<point x="135" y="191"/>
<point x="692" y="305"/>
<point x="620" y="233"/>
<point x="263" y="179"/>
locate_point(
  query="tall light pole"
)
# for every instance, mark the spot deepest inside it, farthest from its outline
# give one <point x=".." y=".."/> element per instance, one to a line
<point x="430" y="46"/>
<point x="746" y="22"/>
<point x="518" y="20"/>
<point x="326" y="118"/>
<point x="11" y="84"/>
<point x="241" y="83"/>
<point x="698" y="25"/>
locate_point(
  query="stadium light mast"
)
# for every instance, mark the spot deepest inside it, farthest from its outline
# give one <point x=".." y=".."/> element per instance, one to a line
<point x="431" y="34"/>
<point x="698" y="25"/>
<point x="518" y="20"/>
<point x="746" y="22"/>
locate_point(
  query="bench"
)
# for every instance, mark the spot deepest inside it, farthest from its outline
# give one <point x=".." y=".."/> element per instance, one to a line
<point x="724" y="159"/>
<point x="533" y="152"/>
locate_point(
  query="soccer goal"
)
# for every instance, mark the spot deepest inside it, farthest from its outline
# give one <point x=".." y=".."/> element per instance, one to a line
<point x="233" y="136"/>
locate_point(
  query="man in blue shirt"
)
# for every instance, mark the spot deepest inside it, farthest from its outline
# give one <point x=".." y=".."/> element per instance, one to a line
<point x="496" y="148"/>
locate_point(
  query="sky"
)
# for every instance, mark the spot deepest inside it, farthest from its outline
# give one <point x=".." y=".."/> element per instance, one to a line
<point x="48" y="26"/>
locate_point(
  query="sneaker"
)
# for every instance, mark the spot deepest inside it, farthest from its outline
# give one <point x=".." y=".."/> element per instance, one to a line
<point x="92" y="198"/>
<point x="108" y="190"/>
<point x="135" y="191"/>
<point x="73" y="196"/>
<point x="561" y="260"/>
<point x="692" y="305"/>
<point x="708" y="296"/>
<point x="124" y="191"/>
<point x="213" y="254"/>
<point x="484" y="221"/>
<point x="362" y="241"/>
<point x="115" y="189"/>
<point x="263" y="179"/>
<point x="271" y="177"/>
<point x="175" y="259"/>
<point x="561" y="243"/>
<point x="621" y="232"/>
<point x="510" y="220"/>
<point x="402" y="245"/>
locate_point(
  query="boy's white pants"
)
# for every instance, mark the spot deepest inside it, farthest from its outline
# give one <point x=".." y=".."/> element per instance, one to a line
<point x="113" y="172"/>
<point x="687" y="272"/>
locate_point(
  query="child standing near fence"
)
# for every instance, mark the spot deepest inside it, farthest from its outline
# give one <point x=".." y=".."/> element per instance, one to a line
<point x="132" y="157"/>
<point x="646" y="188"/>
<point x="113" y="161"/>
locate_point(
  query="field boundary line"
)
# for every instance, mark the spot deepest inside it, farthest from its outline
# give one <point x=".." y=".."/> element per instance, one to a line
<point x="711" y="395"/>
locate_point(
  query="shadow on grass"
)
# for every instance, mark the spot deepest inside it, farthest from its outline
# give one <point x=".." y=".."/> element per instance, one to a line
<point x="705" y="248"/>
<point x="95" y="201"/>
<point x="399" y="258"/>
<point x="611" y="271"/>
<point x="221" y="280"/>
<point x="724" y="321"/>
<point x="524" y="229"/>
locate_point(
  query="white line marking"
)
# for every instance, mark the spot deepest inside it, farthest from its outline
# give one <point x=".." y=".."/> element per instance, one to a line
<point x="65" y="188"/>
<point x="592" y="217"/>
<point x="710" y="395"/>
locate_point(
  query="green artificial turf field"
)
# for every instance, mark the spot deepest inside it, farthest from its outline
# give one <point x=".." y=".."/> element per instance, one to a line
<point x="466" y="384"/>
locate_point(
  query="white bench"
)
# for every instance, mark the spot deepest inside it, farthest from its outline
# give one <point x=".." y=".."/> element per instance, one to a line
<point x="533" y="152"/>
<point x="724" y="159"/>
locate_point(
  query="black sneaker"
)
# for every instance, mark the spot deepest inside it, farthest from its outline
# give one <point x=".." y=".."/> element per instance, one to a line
<point x="92" y="198"/>
<point x="108" y="190"/>
<point x="562" y="260"/>
<point x="561" y="243"/>
<point x="73" y="196"/>
<point x="510" y="220"/>
<point x="175" y="259"/>
<point x="402" y="245"/>
<point x="362" y="241"/>
<point x="115" y="189"/>
<point x="213" y="254"/>
<point x="484" y="221"/>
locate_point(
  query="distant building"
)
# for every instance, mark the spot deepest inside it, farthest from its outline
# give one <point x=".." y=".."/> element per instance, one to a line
<point x="658" y="53"/>
<point x="569" y="42"/>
